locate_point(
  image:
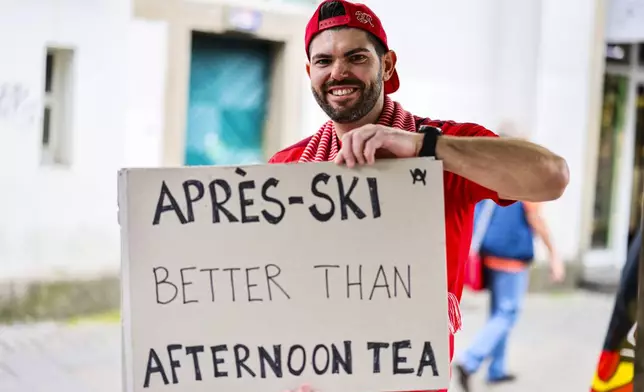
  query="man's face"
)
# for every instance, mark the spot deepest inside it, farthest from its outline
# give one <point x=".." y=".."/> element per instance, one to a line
<point x="346" y="74"/>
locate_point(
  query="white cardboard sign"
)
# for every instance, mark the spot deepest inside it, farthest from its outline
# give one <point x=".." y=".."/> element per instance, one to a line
<point x="260" y="278"/>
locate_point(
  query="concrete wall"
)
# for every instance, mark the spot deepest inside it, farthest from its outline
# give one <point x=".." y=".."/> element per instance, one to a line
<point x="62" y="218"/>
<point x="567" y="111"/>
<point x="146" y="86"/>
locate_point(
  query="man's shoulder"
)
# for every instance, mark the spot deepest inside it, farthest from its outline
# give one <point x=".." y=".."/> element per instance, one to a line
<point x="453" y="128"/>
<point x="291" y="153"/>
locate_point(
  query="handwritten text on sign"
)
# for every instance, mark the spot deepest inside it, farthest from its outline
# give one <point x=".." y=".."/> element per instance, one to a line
<point x="263" y="277"/>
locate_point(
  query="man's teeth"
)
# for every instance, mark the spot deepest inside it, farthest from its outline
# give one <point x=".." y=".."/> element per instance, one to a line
<point x="341" y="92"/>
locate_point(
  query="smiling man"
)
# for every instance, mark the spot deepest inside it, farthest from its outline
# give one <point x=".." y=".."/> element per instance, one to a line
<point x="352" y="72"/>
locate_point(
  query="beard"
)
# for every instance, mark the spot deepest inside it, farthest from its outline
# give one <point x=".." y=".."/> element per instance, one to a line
<point x="347" y="114"/>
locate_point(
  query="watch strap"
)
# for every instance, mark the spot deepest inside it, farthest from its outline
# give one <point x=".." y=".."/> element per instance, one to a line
<point x="431" y="135"/>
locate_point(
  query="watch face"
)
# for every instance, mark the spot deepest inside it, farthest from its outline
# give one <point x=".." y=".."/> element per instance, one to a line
<point x="430" y="129"/>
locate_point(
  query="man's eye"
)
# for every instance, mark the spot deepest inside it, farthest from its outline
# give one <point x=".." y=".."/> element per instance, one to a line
<point x="323" y="62"/>
<point x="358" y="58"/>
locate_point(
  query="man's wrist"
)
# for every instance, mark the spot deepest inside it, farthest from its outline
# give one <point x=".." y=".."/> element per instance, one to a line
<point x="440" y="147"/>
<point x="428" y="140"/>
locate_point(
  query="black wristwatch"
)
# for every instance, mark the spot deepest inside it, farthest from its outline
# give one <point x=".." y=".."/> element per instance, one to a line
<point x="428" y="149"/>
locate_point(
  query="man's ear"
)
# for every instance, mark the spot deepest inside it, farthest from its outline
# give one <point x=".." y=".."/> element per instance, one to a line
<point x="388" y="64"/>
<point x="308" y="68"/>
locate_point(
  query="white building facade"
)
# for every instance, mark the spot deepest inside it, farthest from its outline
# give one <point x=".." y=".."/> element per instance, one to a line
<point x="93" y="87"/>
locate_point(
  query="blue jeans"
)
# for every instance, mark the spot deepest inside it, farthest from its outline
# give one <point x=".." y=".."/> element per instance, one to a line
<point x="507" y="291"/>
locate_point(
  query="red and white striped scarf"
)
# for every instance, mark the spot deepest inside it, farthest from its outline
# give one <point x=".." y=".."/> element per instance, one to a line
<point x="324" y="146"/>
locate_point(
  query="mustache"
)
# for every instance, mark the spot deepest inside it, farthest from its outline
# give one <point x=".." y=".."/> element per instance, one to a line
<point x="343" y="82"/>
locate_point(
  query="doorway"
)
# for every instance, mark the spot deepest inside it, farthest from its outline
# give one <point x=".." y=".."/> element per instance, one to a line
<point x="229" y="93"/>
<point x="638" y="164"/>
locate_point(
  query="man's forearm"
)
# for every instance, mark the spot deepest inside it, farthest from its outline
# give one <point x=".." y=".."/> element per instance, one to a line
<point x="516" y="169"/>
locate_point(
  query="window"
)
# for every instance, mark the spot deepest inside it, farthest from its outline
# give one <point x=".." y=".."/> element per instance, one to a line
<point x="612" y="122"/>
<point x="56" y="119"/>
<point x="638" y="162"/>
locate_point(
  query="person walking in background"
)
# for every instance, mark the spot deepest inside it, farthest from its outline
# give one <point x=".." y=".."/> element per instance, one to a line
<point x="507" y="251"/>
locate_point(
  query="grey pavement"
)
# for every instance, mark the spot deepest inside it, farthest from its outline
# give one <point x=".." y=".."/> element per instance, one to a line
<point x="554" y="347"/>
<point x="57" y="357"/>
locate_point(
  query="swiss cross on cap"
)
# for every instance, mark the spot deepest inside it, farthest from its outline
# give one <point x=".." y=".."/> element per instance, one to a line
<point x="358" y="16"/>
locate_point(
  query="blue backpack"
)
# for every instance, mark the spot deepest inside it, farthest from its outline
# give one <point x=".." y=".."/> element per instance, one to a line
<point x="508" y="234"/>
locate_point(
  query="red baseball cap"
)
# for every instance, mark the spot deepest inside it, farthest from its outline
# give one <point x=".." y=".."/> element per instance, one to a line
<point x="358" y="16"/>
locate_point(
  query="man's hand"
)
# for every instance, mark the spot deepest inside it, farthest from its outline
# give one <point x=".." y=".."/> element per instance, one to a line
<point x="303" y="388"/>
<point x="361" y="145"/>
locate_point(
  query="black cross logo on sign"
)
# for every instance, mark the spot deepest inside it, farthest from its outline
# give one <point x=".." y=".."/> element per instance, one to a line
<point x="418" y="175"/>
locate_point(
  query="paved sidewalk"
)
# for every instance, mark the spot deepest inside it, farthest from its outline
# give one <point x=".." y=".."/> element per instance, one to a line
<point x="555" y="345"/>
<point x="554" y="348"/>
<point x="60" y="358"/>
